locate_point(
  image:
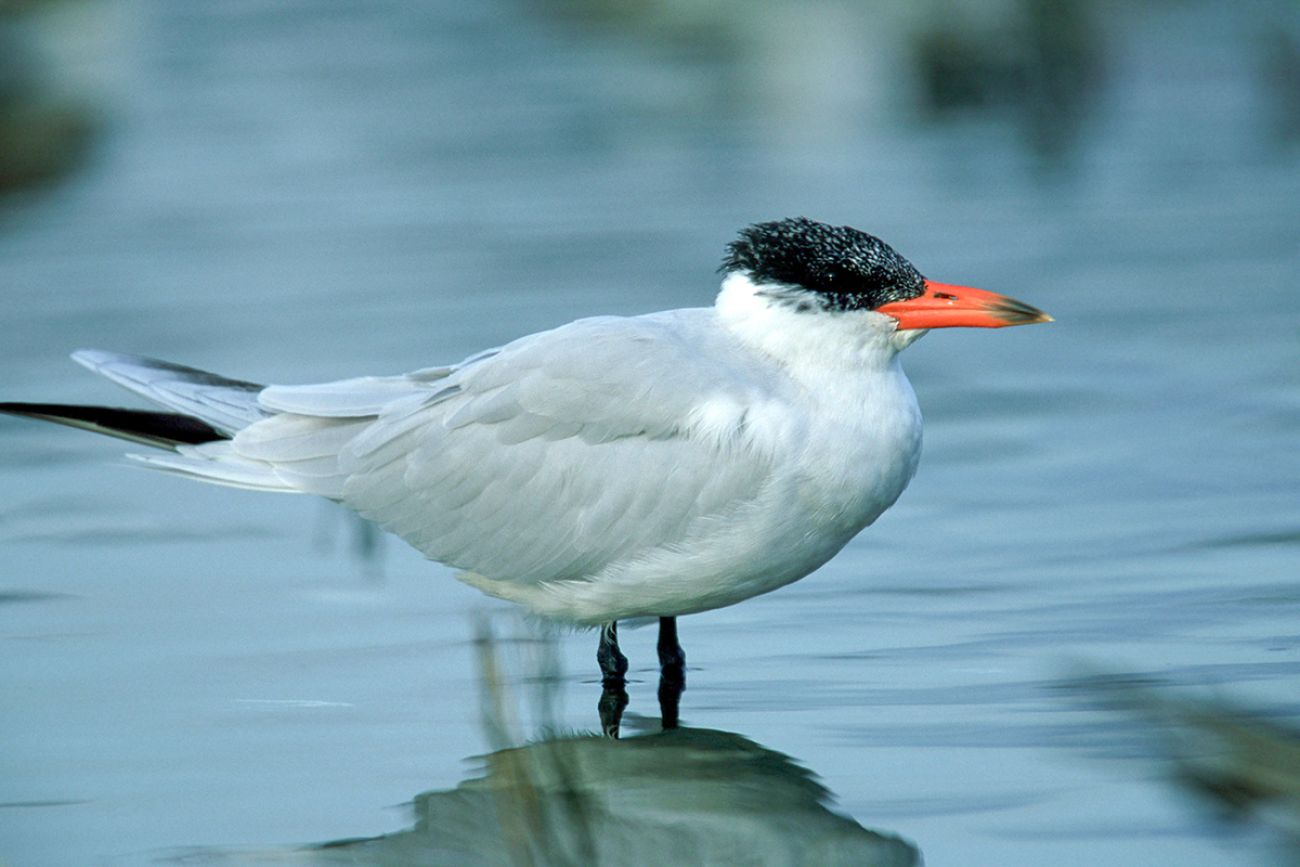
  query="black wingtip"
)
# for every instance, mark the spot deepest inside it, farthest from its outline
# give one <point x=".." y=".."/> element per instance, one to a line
<point x="159" y="429"/>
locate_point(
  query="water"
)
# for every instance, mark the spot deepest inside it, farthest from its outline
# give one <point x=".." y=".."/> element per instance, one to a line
<point x="291" y="194"/>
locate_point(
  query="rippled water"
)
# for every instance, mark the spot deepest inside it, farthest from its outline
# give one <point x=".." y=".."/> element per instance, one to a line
<point x="288" y="194"/>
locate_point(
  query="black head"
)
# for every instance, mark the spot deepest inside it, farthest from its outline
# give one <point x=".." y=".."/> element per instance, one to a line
<point x="844" y="268"/>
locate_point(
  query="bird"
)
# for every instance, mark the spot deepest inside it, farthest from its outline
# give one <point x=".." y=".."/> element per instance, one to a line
<point x="614" y="468"/>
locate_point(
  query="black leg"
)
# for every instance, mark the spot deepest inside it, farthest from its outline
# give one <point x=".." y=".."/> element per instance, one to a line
<point x="613" y="698"/>
<point x="672" y="672"/>
<point x="613" y="667"/>
<point x="671" y="654"/>
<point x="613" y="664"/>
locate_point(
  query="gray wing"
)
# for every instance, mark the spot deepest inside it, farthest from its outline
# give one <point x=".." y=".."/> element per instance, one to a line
<point x="563" y="452"/>
<point x="226" y="404"/>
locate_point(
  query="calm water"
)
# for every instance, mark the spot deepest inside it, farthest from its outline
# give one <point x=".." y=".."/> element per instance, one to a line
<point x="287" y="193"/>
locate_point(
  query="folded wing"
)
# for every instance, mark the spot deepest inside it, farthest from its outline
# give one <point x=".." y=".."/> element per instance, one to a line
<point x="562" y="454"/>
<point x="551" y="458"/>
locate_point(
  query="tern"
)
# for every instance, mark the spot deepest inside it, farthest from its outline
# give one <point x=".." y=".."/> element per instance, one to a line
<point x="614" y="468"/>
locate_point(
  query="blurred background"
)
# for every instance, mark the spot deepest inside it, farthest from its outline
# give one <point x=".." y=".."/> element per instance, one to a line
<point x="299" y="191"/>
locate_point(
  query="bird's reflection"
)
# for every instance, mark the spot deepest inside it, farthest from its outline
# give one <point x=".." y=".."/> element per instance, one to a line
<point x="680" y="796"/>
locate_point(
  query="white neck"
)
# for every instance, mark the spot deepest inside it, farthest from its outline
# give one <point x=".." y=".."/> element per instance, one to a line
<point x="810" y="340"/>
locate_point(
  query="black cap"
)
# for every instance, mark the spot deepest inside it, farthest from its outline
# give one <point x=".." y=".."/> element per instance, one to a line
<point x="847" y="269"/>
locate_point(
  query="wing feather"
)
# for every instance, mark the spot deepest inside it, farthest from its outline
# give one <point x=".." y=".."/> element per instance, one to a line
<point x="285" y="438"/>
<point x="558" y="455"/>
<point x="226" y="404"/>
<point x="347" y="398"/>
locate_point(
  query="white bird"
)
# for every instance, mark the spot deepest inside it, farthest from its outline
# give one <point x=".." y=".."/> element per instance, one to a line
<point x="612" y="468"/>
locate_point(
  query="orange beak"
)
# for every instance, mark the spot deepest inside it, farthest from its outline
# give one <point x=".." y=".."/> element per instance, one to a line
<point x="945" y="306"/>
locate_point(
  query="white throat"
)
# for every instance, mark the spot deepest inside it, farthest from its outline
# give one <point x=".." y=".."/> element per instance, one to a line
<point x="815" y="339"/>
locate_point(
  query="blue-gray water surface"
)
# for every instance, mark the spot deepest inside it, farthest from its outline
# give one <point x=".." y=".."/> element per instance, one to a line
<point x="295" y="192"/>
